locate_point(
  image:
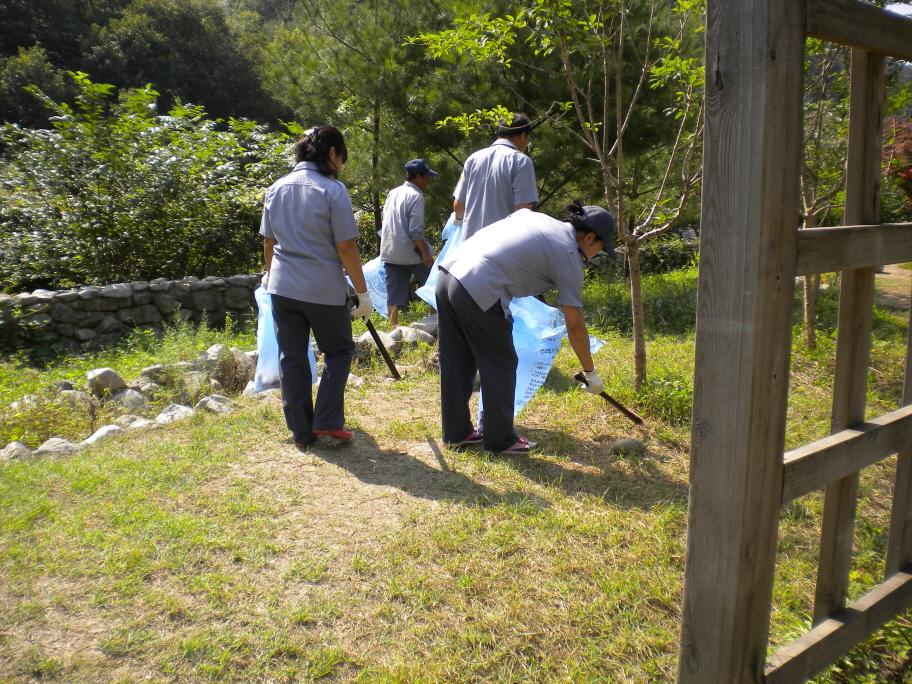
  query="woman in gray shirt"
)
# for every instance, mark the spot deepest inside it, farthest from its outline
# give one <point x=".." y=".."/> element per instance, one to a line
<point x="309" y="234"/>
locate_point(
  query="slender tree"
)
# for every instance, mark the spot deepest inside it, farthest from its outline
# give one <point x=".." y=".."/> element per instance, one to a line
<point x="608" y="55"/>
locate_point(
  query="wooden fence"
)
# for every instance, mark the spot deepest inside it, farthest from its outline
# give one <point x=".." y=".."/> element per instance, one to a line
<point x="751" y="252"/>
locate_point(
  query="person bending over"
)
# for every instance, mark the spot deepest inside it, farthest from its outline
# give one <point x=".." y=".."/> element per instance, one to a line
<point x="524" y="254"/>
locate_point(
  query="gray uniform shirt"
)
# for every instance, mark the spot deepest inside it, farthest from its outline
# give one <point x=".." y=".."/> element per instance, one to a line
<point x="308" y="213"/>
<point x="494" y="180"/>
<point x="522" y="255"/>
<point x="403" y="223"/>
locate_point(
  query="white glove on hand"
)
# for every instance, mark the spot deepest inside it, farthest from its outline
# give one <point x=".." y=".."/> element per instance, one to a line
<point x="264" y="281"/>
<point x="594" y="384"/>
<point x="457" y="222"/>
<point x="363" y="310"/>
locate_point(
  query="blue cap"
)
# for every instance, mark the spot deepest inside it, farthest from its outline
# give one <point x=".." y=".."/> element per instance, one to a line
<point x="418" y="167"/>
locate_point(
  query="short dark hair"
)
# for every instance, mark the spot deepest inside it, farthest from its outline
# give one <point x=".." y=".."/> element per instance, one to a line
<point x="514" y="125"/>
<point x="315" y="144"/>
<point x="411" y="176"/>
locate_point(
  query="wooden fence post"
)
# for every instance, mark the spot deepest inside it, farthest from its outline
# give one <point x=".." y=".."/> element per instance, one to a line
<point x="748" y="245"/>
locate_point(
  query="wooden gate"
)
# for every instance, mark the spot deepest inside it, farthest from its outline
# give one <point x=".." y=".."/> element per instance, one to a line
<point x="751" y="252"/>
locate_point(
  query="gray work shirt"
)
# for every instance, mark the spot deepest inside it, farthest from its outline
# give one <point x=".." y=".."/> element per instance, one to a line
<point x="493" y="181"/>
<point x="403" y="223"/>
<point x="308" y="213"/>
<point x="522" y="255"/>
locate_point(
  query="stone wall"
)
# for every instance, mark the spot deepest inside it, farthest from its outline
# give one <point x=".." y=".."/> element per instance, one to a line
<point x="88" y="317"/>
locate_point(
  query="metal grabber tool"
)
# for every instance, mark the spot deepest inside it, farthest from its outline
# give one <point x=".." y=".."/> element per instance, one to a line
<point x="385" y="354"/>
<point x="630" y="415"/>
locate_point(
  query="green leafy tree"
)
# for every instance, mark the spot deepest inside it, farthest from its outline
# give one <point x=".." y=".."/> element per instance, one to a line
<point x="115" y="192"/>
<point x="189" y="51"/>
<point x="826" y="123"/>
<point x="347" y="63"/>
<point x="30" y="67"/>
<point x="826" y="118"/>
<point x="632" y="97"/>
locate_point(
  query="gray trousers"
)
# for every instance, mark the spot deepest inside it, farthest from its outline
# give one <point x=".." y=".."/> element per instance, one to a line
<point x="332" y="330"/>
<point x="471" y="339"/>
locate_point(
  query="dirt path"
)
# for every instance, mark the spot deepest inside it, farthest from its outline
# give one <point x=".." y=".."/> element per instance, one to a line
<point x="893" y="287"/>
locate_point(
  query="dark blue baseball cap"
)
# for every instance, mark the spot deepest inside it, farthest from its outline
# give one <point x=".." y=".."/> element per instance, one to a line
<point x="601" y="222"/>
<point x="419" y="167"/>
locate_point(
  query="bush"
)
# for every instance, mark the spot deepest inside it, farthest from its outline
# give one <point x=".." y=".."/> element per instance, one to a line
<point x="669" y="302"/>
<point x="116" y="193"/>
<point x="661" y="256"/>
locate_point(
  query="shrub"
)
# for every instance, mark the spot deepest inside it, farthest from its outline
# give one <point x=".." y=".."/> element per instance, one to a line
<point x="669" y="302"/>
<point x="116" y="193"/>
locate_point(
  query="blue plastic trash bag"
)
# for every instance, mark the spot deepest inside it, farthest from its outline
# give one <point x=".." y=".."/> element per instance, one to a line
<point x="538" y="332"/>
<point x="375" y="277"/>
<point x="267" y="369"/>
<point x="453" y="236"/>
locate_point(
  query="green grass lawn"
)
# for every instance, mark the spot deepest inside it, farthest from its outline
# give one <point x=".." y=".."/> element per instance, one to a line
<point x="213" y="551"/>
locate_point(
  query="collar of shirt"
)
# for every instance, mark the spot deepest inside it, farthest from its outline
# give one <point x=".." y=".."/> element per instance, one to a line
<point x="504" y="141"/>
<point x="409" y="184"/>
<point x="305" y="165"/>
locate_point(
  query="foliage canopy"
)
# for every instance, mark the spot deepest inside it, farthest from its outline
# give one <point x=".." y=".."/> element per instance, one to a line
<point x="116" y="192"/>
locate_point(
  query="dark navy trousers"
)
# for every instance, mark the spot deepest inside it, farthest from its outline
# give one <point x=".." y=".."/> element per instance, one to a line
<point x="471" y="339"/>
<point x="332" y="329"/>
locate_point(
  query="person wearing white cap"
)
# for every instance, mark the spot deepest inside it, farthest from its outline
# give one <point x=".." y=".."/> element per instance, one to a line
<point x="404" y="250"/>
<point x="496" y="180"/>
<point x="522" y="255"/>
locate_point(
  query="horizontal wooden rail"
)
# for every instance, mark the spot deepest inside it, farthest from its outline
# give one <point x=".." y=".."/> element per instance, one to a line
<point x="832" y="638"/>
<point x="856" y="23"/>
<point x="827" y="250"/>
<point x="815" y="465"/>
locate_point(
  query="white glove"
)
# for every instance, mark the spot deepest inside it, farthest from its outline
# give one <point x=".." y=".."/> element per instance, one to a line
<point x="457" y="222"/>
<point x="594" y="384"/>
<point x="365" y="305"/>
<point x="264" y="281"/>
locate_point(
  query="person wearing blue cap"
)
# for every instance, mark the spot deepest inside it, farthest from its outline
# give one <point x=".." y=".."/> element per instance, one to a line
<point x="522" y="255"/>
<point x="496" y="180"/>
<point x="404" y="250"/>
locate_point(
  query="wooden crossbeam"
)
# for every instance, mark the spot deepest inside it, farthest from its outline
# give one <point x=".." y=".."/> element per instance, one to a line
<point x="827" y="250"/>
<point x="835" y="636"/>
<point x="815" y="465"/>
<point x="860" y="25"/>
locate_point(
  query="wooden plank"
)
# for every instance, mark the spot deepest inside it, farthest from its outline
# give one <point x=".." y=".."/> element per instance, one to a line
<point x="827" y="250"/>
<point x="748" y="246"/>
<point x="860" y="25"/>
<point x="808" y="655"/>
<point x="815" y="465"/>
<point x="899" y="542"/>
<point x="853" y="337"/>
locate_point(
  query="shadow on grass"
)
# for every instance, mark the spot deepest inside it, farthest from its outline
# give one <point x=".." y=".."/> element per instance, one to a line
<point x="364" y="459"/>
<point x="623" y="481"/>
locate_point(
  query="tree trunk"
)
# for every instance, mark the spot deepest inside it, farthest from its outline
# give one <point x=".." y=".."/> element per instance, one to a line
<point x="639" y="321"/>
<point x="811" y="293"/>
<point x="375" y="177"/>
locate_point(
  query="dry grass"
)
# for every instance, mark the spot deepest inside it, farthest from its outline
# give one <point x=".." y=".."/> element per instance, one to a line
<point x="216" y="551"/>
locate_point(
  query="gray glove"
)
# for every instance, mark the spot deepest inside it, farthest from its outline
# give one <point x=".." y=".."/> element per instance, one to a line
<point x="264" y="281"/>
<point x="594" y="384"/>
<point x="365" y="305"/>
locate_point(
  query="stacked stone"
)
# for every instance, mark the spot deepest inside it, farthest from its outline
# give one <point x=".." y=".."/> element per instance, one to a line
<point x="93" y="316"/>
